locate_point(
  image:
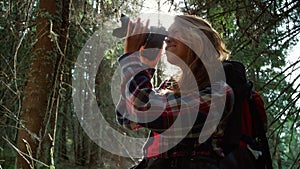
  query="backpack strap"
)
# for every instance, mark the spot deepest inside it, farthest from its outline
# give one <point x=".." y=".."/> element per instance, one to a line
<point x="260" y="134"/>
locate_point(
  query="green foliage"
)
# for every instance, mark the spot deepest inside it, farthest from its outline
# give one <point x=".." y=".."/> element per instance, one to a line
<point x="7" y="158"/>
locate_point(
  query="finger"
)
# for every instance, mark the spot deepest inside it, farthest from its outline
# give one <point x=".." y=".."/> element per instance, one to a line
<point x="141" y="28"/>
<point x="129" y="28"/>
<point x="142" y="48"/>
<point x="146" y="26"/>
<point x="145" y="29"/>
<point x="137" y="26"/>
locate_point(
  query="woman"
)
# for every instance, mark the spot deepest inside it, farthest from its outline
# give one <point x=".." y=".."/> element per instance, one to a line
<point x="177" y="112"/>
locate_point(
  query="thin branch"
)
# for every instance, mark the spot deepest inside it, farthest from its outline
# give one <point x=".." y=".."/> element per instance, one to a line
<point x="296" y="163"/>
<point x="282" y="92"/>
<point x="24" y="155"/>
<point x="279" y="74"/>
<point x="84" y="11"/>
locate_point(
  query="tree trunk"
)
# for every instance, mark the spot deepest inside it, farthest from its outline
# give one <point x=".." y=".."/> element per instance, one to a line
<point x="32" y="134"/>
<point x="63" y="79"/>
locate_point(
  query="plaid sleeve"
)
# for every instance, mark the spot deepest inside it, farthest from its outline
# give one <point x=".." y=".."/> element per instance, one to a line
<point x="136" y="89"/>
<point x="141" y="106"/>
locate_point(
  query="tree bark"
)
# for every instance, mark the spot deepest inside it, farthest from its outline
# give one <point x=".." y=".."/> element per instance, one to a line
<point x="32" y="132"/>
<point x="60" y="80"/>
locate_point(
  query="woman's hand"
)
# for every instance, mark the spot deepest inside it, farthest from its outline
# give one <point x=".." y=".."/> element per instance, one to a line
<point x="135" y="37"/>
<point x="135" y="40"/>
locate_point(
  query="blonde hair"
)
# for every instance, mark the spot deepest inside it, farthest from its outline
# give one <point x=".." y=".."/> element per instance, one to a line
<point x="194" y="62"/>
<point x="210" y="33"/>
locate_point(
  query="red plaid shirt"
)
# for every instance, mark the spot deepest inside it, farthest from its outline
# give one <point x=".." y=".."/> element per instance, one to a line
<point x="140" y="105"/>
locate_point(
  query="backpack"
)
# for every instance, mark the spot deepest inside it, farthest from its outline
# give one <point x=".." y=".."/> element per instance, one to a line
<point x="245" y="135"/>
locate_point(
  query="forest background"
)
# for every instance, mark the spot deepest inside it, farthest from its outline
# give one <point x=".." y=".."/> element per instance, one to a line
<point x="41" y="40"/>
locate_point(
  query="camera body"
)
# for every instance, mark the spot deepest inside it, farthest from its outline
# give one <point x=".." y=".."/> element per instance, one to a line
<point x="154" y="39"/>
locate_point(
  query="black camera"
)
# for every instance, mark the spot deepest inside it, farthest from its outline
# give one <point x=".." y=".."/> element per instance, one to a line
<point x="154" y="39"/>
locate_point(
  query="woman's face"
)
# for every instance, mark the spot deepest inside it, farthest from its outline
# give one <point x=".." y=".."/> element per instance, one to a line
<point x="176" y="50"/>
